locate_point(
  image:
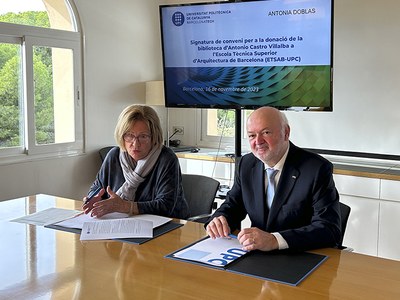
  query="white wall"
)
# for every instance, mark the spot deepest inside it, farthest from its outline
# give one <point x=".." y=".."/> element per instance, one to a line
<point x="366" y="116"/>
<point x="123" y="51"/>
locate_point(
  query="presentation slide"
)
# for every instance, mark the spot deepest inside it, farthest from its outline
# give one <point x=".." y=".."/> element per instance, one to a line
<point x="248" y="54"/>
<point x="260" y="33"/>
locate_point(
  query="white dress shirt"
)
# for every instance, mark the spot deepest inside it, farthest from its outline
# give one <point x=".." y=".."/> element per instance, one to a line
<point x="279" y="166"/>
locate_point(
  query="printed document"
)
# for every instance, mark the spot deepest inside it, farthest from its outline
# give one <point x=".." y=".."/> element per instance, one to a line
<point x="116" y="228"/>
<point x="217" y="252"/>
<point x="78" y="220"/>
<point x="48" y="216"/>
<point x="109" y="226"/>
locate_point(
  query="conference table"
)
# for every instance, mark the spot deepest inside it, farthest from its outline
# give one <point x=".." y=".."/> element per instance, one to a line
<point x="43" y="263"/>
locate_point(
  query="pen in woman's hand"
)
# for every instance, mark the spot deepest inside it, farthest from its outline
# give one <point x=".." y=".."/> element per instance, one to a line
<point x="92" y="194"/>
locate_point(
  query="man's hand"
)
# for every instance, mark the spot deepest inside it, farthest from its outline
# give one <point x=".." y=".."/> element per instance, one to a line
<point x="218" y="227"/>
<point x="256" y="239"/>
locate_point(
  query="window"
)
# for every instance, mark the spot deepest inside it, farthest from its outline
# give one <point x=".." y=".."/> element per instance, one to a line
<point x="218" y="129"/>
<point x="40" y="80"/>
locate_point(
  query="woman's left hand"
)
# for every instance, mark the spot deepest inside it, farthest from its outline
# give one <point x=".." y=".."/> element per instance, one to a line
<point x="112" y="204"/>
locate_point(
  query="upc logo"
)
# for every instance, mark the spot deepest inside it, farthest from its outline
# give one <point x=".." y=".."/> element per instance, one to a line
<point x="178" y="18"/>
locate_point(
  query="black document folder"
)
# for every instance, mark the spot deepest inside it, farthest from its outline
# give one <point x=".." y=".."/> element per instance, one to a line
<point x="278" y="266"/>
<point x="156" y="232"/>
<point x="282" y="267"/>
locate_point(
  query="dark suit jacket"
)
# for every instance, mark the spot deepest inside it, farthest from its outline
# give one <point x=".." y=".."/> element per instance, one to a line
<point x="305" y="209"/>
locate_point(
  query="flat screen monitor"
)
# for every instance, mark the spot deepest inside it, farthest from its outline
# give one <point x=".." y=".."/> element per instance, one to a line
<point x="248" y="54"/>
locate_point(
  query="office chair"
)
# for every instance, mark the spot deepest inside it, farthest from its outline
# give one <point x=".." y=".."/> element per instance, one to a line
<point x="344" y="216"/>
<point x="103" y="152"/>
<point x="200" y="192"/>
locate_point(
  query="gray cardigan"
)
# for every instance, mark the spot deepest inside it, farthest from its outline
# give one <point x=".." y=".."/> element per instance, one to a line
<point x="161" y="193"/>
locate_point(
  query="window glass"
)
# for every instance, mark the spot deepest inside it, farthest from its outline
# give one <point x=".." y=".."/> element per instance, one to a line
<point x="32" y="13"/>
<point x="17" y="6"/>
<point x="41" y="111"/>
<point x="218" y="129"/>
<point x="54" y="96"/>
<point x="221" y="122"/>
<point x="55" y="14"/>
<point x="10" y="95"/>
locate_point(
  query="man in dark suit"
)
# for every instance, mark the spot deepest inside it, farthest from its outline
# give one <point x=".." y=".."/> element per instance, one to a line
<point x="302" y="214"/>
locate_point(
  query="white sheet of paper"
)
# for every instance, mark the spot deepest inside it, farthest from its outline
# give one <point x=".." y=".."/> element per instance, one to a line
<point x="218" y="252"/>
<point x="157" y="220"/>
<point x="79" y="220"/>
<point x="48" y="216"/>
<point x="116" y="228"/>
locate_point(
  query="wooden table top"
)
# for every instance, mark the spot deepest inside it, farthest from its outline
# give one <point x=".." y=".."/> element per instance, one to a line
<point x="38" y="262"/>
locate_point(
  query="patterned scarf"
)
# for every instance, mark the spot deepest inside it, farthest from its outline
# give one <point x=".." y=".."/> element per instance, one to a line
<point x="136" y="172"/>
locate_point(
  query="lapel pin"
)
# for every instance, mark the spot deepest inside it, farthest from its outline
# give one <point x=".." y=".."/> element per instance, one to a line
<point x="294" y="177"/>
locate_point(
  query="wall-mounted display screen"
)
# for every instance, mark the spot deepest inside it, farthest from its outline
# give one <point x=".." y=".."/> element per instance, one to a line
<point x="248" y="54"/>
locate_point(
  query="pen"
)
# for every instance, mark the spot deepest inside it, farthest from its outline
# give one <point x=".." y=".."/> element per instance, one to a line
<point x="92" y="194"/>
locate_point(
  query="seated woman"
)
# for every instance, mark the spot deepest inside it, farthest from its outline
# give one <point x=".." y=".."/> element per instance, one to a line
<point x="141" y="175"/>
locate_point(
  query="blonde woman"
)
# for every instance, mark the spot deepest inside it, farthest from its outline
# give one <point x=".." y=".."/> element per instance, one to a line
<point x="140" y="175"/>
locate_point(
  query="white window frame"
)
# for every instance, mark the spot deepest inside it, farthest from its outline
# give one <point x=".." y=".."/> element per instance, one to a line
<point x="29" y="37"/>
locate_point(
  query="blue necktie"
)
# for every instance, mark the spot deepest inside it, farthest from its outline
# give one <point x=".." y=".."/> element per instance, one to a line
<point x="271" y="185"/>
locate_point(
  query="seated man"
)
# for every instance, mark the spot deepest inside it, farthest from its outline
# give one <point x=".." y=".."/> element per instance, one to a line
<point x="302" y="209"/>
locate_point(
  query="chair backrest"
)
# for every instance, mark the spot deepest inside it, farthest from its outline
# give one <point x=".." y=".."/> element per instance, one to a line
<point x="200" y="192"/>
<point x="103" y="152"/>
<point x="344" y="215"/>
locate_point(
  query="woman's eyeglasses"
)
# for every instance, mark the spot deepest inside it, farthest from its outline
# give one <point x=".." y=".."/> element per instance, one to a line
<point x="141" y="138"/>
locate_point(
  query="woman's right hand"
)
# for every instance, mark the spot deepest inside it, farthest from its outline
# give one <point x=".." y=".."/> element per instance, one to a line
<point x="88" y="205"/>
<point x="98" y="207"/>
